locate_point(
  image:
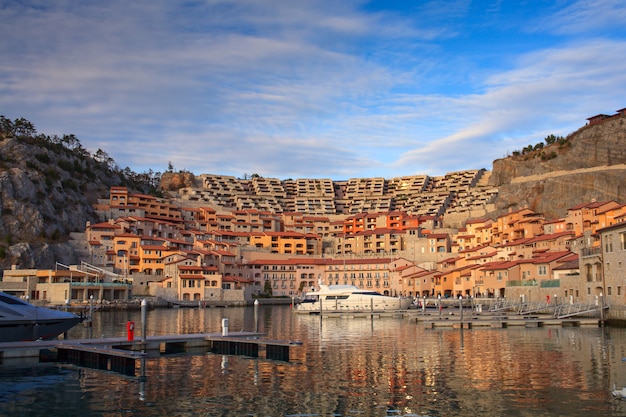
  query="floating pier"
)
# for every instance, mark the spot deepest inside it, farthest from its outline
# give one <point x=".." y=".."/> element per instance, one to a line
<point x="505" y="322"/>
<point x="468" y="319"/>
<point x="120" y="354"/>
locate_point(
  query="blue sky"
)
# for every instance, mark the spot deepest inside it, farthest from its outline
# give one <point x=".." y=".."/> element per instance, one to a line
<point x="311" y="89"/>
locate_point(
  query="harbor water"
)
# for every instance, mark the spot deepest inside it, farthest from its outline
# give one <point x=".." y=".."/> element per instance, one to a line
<point x="345" y="367"/>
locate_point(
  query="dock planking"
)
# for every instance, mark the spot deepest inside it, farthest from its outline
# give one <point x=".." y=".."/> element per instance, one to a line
<point x="120" y="354"/>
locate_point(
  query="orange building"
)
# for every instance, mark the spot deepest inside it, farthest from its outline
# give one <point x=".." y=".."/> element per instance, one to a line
<point x="519" y="224"/>
<point x="288" y="243"/>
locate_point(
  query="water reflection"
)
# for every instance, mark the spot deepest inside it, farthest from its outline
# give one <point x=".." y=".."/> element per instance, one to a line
<point x="345" y="367"/>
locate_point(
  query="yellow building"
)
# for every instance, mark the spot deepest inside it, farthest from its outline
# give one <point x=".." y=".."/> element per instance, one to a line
<point x="188" y="279"/>
<point x="60" y="286"/>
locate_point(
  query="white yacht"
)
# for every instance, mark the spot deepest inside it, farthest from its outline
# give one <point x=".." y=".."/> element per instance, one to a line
<point x="349" y="298"/>
<point x="22" y="321"/>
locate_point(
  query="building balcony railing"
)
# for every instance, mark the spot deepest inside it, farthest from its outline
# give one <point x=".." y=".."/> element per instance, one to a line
<point x="550" y="283"/>
<point x="522" y="283"/>
<point x="100" y="284"/>
<point x="585" y="252"/>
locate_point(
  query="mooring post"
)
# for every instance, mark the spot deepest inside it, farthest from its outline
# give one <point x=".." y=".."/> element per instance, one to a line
<point x="256" y="316"/>
<point x="90" y="309"/>
<point x="224" y="326"/>
<point x="144" y="324"/>
<point x="439" y="305"/>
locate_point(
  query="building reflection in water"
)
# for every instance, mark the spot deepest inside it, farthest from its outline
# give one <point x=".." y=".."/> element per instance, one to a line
<point x="371" y="367"/>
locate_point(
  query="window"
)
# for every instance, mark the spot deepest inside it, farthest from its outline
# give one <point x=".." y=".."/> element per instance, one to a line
<point x="542" y="270"/>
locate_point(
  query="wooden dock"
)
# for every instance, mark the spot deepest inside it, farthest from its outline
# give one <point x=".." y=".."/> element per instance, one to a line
<point x="452" y="318"/>
<point x="120" y="354"/>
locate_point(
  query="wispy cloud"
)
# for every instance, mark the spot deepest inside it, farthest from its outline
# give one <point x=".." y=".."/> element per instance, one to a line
<point x="551" y="91"/>
<point x="587" y="17"/>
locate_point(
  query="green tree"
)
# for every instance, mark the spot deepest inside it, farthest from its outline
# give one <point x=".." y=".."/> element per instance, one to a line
<point x="22" y="127"/>
<point x="103" y="157"/>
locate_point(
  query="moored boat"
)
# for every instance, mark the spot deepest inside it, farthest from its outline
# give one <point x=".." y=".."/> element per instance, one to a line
<point x="22" y="321"/>
<point x="349" y="298"/>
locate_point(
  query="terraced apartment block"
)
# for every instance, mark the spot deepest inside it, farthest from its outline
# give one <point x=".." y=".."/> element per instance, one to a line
<point x="457" y="193"/>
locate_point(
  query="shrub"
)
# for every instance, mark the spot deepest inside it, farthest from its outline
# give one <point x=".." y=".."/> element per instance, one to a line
<point x="69" y="184"/>
<point x="43" y="158"/>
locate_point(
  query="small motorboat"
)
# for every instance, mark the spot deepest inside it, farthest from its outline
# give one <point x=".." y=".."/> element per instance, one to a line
<point x="23" y="321"/>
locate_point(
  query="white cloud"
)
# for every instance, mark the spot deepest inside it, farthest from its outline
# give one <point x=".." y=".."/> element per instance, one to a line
<point x="587" y="16"/>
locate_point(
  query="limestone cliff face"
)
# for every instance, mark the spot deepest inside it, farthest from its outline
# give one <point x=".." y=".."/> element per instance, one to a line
<point x="46" y="192"/>
<point x="590" y="165"/>
<point x="174" y="181"/>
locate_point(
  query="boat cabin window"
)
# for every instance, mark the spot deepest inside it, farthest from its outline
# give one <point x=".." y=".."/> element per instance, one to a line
<point x="310" y="299"/>
<point x="337" y="297"/>
<point x="367" y="293"/>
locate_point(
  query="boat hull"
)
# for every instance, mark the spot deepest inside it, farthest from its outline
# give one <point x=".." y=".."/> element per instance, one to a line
<point x="22" y="321"/>
<point x="355" y="303"/>
<point x="26" y="330"/>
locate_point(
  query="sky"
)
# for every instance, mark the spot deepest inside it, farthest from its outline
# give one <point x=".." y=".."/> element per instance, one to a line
<point x="311" y="88"/>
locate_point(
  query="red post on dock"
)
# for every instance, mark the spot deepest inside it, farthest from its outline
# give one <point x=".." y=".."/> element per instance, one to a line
<point x="130" y="330"/>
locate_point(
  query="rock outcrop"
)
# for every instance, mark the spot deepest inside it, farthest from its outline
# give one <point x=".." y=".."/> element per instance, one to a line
<point x="589" y="165"/>
<point x="46" y="192"/>
<point x="174" y="181"/>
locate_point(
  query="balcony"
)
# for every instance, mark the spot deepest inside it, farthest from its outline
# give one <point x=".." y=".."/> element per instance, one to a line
<point x="522" y="283"/>
<point x="588" y="252"/>
<point x="550" y="283"/>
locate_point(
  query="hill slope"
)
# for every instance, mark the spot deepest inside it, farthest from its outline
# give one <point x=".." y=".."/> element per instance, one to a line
<point x="48" y="188"/>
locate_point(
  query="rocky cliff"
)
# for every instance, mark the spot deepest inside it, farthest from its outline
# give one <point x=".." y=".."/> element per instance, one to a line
<point x="46" y="192"/>
<point x="590" y="164"/>
<point x="48" y="188"/>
